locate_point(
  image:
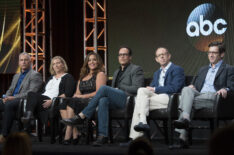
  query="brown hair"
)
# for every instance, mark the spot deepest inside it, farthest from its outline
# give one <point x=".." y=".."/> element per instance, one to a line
<point x="85" y="68"/>
<point x="17" y="143"/>
<point x="52" y="72"/>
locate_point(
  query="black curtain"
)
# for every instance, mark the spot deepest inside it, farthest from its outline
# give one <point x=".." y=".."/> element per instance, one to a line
<point x="67" y="33"/>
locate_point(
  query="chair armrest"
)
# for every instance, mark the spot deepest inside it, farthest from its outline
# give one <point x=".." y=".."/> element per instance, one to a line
<point x="172" y="107"/>
<point x="225" y="107"/>
<point x="54" y="105"/>
<point x="21" y="108"/>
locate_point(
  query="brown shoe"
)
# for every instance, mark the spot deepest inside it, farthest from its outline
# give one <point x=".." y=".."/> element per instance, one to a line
<point x="2" y="139"/>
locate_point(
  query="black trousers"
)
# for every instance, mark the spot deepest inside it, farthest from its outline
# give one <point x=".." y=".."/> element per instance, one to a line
<point x="10" y="109"/>
<point x="35" y="101"/>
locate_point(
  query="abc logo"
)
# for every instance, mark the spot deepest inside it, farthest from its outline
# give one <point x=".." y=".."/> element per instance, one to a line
<point x="205" y="24"/>
<point x="210" y="27"/>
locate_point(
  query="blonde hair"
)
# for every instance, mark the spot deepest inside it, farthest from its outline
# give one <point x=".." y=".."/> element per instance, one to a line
<point x="52" y="72"/>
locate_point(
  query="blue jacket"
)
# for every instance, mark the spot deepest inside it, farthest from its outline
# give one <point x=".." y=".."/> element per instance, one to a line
<point x="174" y="80"/>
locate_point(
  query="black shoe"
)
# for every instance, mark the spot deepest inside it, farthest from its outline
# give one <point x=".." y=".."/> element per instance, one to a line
<point x="28" y="116"/>
<point x="181" y="124"/>
<point x="66" y="142"/>
<point x="73" y="121"/>
<point x="100" y="141"/>
<point x="181" y="145"/>
<point x="125" y="144"/>
<point x="76" y="140"/>
<point x="141" y="127"/>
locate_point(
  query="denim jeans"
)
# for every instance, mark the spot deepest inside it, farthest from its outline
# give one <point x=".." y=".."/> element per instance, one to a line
<point x="105" y="99"/>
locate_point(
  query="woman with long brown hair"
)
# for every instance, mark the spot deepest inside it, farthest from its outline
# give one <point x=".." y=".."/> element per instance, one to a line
<point x="92" y="77"/>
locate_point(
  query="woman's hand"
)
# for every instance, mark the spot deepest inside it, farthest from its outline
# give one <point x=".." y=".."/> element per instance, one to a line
<point x="47" y="103"/>
<point x="78" y="96"/>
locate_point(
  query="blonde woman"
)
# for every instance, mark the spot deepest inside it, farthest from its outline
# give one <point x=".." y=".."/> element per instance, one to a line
<point x="59" y="84"/>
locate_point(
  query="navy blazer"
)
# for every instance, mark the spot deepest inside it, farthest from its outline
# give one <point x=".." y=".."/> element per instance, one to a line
<point x="224" y="77"/>
<point x="174" y="80"/>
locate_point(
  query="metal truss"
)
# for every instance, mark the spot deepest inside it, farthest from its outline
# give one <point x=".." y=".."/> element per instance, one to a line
<point x="34" y="33"/>
<point x="95" y="28"/>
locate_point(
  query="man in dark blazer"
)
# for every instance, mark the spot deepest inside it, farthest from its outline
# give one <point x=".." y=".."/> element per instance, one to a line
<point x="167" y="80"/>
<point x="215" y="79"/>
<point x="25" y="81"/>
<point x="127" y="79"/>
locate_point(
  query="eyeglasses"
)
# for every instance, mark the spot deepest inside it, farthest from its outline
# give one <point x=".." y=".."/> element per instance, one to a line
<point x="212" y="52"/>
<point x="163" y="54"/>
<point x="123" y="54"/>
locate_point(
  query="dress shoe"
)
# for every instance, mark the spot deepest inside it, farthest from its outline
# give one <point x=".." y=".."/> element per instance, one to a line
<point x="73" y="121"/>
<point x="141" y="127"/>
<point x="181" y="124"/>
<point x="126" y="144"/>
<point x="66" y="142"/>
<point x="2" y="139"/>
<point x="100" y="141"/>
<point x="27" y="117"/>
<point x="76" y="140"/>
<point x="183" y="144"/>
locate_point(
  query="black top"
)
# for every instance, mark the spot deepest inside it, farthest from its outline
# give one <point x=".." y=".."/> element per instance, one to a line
<point x="120" y="73"/>
<point x="67" y="85"/>
<point x="88" y="86"/>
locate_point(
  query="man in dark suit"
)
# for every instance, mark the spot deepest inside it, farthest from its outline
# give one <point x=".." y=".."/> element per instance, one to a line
<point x="25" y="81"/>
<point x="215" y="79"/>
<point x="167" y="80"/>
<point x="127" y="79"/>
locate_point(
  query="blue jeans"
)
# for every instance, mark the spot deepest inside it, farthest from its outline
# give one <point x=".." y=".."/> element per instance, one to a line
<point x="106" y="98"/>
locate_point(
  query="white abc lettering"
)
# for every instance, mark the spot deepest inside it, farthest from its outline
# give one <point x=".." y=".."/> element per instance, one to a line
<point x="202" y="24"/>
<point x="216" y="23"/>
<point x="196" y="32"/>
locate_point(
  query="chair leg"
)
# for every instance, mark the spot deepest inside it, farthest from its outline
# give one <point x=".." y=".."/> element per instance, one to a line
<point x="170" y="132"/>
<point x="190" y="130"/>
<point x="165" y="128"/>
<point x="126" y="128"/>
<point x="53" y="126"/>
<point x="39" y="127"/>
<point x="60" y="132"/>
<point x="110" y="131"/>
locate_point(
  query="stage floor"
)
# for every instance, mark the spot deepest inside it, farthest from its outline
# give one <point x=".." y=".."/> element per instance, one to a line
<point x="45" y="148"/>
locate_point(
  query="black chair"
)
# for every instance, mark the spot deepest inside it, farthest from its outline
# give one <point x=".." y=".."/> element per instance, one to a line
<point x="166" y="115"/>
<point x="57" y="127"/>
<point x="123" y="115"/>
<point x="20" y="112"/>
<point x="222" y="110"/>
<point x="54" y="118"/>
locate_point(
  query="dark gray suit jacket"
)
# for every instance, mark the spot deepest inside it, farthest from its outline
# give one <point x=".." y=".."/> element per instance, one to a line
<point x="131" y="80"/>
<point x="31" y="82"/>
<point x="224" y="77"/>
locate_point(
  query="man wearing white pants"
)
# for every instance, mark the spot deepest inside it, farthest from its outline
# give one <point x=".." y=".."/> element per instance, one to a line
<point x="167" y="80"/>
